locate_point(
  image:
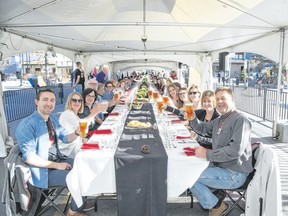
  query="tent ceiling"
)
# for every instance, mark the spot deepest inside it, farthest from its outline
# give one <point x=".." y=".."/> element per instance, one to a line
<point x="90" y="26"/>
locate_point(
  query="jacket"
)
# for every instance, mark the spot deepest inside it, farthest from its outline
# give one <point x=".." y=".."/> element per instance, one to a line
<point x="15" y="190"/>
<point x="263" y="196"/>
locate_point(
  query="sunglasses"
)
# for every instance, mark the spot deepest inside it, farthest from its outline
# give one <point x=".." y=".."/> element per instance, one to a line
<point x="76" y="100"/>
<point x="190" y="93"/>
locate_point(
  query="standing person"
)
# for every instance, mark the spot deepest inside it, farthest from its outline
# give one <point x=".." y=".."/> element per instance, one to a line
<point x="38" y="136"/>
<point x="76" y="84"/>
<point x="82" y="79"/>
<point x="103" y="75"/>
<point x="173" y="75"/>
<point x="230" y="155"/>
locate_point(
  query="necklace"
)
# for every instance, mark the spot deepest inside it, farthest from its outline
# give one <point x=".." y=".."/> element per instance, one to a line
<point x="222" y="122"/>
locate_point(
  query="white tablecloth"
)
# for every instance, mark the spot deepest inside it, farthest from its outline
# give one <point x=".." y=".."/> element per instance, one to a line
<point x="94" y="170"/>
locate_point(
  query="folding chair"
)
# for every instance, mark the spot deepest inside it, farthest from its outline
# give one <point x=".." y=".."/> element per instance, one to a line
<point x="49" y="197"/>
<point x="241" y="191"/>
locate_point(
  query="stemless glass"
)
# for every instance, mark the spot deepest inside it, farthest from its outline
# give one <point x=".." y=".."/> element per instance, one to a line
<point x="189" y="111"/>
<point x="83" y="127"/>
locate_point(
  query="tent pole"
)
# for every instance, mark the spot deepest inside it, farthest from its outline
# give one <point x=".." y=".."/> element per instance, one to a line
<point x="281" y="54"/>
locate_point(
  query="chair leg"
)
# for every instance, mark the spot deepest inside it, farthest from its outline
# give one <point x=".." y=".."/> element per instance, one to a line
<point x="235" y="203"/>
<point x="51" y="201"/>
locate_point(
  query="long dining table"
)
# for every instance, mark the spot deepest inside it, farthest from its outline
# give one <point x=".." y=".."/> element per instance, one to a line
<point x="142" y="181"/>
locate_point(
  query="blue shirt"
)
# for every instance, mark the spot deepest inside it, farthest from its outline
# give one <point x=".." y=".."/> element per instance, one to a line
<point x="33" y="139"/>
<point x="101" y="77"/>
<point x="107" y="95"/>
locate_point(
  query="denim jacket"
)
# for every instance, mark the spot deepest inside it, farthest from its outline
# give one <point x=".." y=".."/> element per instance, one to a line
<point x="33" y="139"/>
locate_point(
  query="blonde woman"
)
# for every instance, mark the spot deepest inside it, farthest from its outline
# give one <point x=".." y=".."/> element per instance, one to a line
<point x="70" y="121"/>
<point x="194" y="96"/>
<point x="208" y="113"/>
<point x="174" y="97"/>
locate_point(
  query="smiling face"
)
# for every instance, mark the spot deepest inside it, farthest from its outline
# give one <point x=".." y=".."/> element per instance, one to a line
<point x="90" y="98"/>
<point x="45" y="104"/>
<point x="172" y="91"/>
<point x="208" y="103"/>
<point x="194" y="95"/>
<point x="224" y="102"/>
<point x="76" y="103"/>
<point x="182" y="95"/>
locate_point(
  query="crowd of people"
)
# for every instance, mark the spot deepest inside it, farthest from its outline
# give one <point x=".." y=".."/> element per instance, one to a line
<point x="49" y="144"/>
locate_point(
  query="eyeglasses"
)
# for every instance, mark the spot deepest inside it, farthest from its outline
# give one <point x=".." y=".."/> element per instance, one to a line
<point x="110" y="86"/>
<point x="91" y="96"/>
<point x="74" y="100"/>
<point x="190" y="93"/>
<point x="182" y="93"/>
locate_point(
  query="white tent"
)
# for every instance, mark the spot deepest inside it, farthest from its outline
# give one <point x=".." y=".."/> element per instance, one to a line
<point x="109" y="31"/>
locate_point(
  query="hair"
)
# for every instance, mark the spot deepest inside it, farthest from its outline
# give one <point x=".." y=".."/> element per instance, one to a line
<point x="208" y="94"/>
<point x="177" y="84"/>
<point x="224" y="88"/>
<point x="88" y="91"/>
<point x="109" y="82"/>
<point x="78" y="63"/>
<point x="69" y="102"/>
<point x="100" y="86"/>
<point x="40" y="91"/>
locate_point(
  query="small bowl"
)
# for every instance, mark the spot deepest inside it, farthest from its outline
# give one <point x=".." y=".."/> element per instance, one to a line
<point x="137" y="106"/>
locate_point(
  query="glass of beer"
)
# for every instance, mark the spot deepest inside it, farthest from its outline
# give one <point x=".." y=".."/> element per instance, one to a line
<point x="155" y="95"/>
<point x="83" y="127"/>
<point x="165" y="100"/>
<point x="149" y="93"/>
<point x="189" y="111"/>
<point x="116" y="96"/>
<point x="159" y="106"/>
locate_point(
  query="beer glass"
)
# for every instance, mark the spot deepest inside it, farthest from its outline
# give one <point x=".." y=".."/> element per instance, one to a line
<point x="155" y="95"/>
<point x="149" y="93"/>
<point x="83" y="127"/>
<point x="159" y="106"/>
<point x="189" y="111"/>
<point x="165" y="100"/>
<point x="116" y="96"/>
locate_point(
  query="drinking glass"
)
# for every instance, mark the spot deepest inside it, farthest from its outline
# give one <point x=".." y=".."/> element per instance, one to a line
<point x="83" y="127"/>
<point x="159" y="106"/>
<point x="116" y="96"/>
<point x="165" y="100"/>
<point x="155" y="95"/>
<point x="189" y="111"/>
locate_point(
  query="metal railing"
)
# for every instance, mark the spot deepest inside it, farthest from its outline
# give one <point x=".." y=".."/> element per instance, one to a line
<point x="20" y="103"/>
<point x="261" y="102"/>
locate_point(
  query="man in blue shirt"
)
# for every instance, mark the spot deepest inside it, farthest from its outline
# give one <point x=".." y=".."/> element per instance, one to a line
<point x="37" y="136"/>
<point x="103" y="75"/>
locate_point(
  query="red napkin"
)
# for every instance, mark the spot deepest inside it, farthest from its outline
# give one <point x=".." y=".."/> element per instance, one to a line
<point x="113" y="114"/>
<point x="189" y="149"/>
<point x="176" y="121"/>
<point x="188" y="153"/>
<point x="171" y="114"/>
<point x="90" y="146"/>
<point x="183" y="137"/>
<point x="100" y="131"/>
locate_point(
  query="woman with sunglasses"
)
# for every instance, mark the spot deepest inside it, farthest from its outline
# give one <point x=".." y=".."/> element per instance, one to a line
<point x="91" y="108"/>
<point x="208" y="113"/>
<point x="194" y="96"/>
<point x="70" y="121"/>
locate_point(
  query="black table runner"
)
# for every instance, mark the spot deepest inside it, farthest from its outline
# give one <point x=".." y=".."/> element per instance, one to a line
<point x="141" y="179"/>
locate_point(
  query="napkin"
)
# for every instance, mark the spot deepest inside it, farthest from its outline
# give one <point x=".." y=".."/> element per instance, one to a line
<point x="100" y="131"/>
<point x="183" y="137"/>
<point x="171" y="114"/>
<point x="189" y="149"/>
<point x="90" y="146"/>
<point x="113" y="114"/>
<point x="176" y="121"/>
<point x="188" y="153"/>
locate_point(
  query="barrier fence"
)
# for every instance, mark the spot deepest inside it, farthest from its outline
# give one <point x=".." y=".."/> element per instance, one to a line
<point x="20" y="103"/>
